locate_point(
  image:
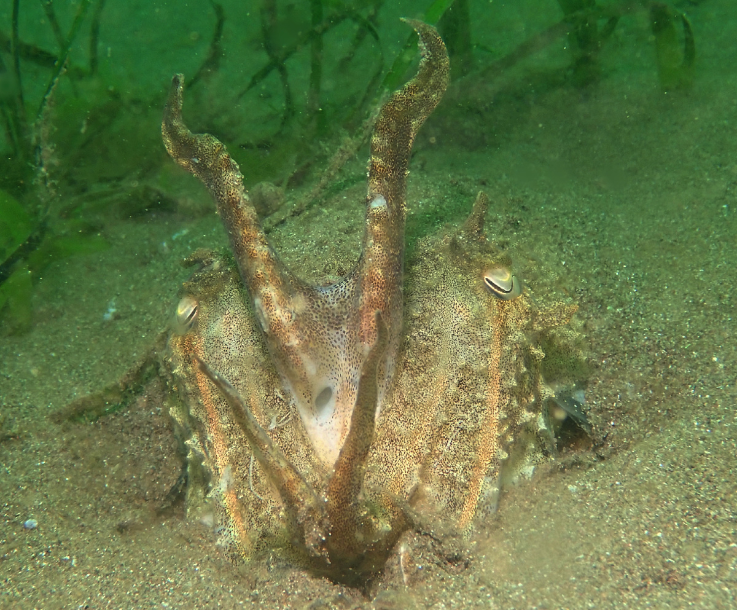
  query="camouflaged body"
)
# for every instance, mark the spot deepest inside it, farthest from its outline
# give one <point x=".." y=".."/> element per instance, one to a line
<point x="468" y="392"/>
<point x="327" y="421"/>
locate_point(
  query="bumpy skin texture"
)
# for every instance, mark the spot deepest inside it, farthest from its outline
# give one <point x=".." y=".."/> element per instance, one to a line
<point x="319" y="337"/>
<point x="422" y="401"/>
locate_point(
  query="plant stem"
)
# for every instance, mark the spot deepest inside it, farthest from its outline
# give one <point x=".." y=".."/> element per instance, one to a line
<point x="53" y="21"/>
<point x="95" y="36"/>
<point x="63" y="56"/>
<point x="316" y="50"/>
<point x="20" y="105"/>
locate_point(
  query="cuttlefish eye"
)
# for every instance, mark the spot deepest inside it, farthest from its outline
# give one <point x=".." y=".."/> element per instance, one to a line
<point x="502" y="283"/>
<point x="186" y="313"/>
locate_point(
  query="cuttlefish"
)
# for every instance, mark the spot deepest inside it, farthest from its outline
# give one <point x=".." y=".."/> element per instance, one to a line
<point x="325" y="421"/>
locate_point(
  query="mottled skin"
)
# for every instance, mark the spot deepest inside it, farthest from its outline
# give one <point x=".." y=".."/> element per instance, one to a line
<point x="319" y="338"/>
<point x="424" y="400"/>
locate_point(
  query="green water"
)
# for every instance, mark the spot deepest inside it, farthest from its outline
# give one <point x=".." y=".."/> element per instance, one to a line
<point x="608" y="148"/>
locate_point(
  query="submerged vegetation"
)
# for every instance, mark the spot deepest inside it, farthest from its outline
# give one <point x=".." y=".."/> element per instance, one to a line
<point x="80" y="146"/>
<point x="35" y="230"/>
<point x="590" y="25"/>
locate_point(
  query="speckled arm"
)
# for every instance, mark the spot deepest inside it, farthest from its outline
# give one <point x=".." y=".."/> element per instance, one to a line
<point x="400" y="119"/>
<point x="320" y="338"/>
<point x="206" y="158"/>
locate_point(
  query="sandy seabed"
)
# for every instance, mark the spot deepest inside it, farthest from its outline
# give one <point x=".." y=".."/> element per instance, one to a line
<point x="627" y="193"/>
